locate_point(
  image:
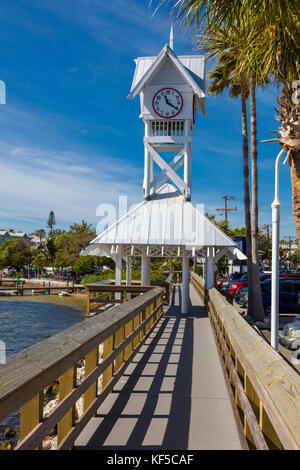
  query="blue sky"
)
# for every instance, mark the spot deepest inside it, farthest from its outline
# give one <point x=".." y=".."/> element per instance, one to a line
<point x="71" y="140"/>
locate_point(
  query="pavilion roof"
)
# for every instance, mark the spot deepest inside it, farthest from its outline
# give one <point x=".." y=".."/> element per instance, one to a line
<point x="164" y="225"/>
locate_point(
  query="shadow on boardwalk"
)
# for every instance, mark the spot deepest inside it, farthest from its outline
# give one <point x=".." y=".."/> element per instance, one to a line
<point x="150" y="408"/>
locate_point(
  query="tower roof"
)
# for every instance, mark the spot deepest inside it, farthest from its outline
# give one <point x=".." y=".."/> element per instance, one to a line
<point x="191" y="68"/>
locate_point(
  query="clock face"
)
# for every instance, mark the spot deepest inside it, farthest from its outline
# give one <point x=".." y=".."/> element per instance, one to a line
<point x="167" y="103"/>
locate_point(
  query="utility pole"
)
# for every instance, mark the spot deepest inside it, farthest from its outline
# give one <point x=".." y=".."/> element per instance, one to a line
<point x="226" y="209"/>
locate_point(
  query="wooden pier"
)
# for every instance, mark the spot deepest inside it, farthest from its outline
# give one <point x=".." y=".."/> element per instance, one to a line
<point x="157" y="379"/>
<point x="41" y="287"/>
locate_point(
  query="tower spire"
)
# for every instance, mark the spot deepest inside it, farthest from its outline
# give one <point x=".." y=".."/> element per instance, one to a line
<point x="171" y="41"/>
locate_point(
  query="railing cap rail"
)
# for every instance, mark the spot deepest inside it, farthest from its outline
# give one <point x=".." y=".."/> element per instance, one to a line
<point x="275" y="381"/>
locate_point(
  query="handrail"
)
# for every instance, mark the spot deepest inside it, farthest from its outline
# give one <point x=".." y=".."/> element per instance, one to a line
<point x="108" y="291"/>
<point x="270" y="384"/>
<point x="23" y="378"/>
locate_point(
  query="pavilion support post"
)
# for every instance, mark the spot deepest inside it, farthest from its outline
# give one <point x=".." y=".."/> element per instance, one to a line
<point x="210" y="268"/>
<point x="129" y="274"/>
<point x="185" y="298"/>
<point x="145" y="271"/>
<point x="118" y="275"/>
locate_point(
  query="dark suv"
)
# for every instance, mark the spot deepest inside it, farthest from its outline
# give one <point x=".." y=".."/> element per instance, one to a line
<point x="289" y="296"/>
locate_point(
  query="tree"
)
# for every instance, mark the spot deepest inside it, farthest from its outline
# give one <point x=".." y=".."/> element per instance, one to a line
<point x="14" y="253"/>
<point x="50" y="250"/>
<point x="39" y="260"/>
<point x="40" y="233"/>
<point x="51" y="222"/>
<point x="85" y="264"/>
<point x="294" y="258"/>
<point x="68" y="245"/>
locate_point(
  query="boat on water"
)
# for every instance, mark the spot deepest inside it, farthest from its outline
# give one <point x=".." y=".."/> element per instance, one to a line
<point x="8" y="293"/>
<point x="64" y="294"/>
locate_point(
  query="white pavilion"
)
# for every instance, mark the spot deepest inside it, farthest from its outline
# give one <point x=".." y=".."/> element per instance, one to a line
<point x="165" y="223"/>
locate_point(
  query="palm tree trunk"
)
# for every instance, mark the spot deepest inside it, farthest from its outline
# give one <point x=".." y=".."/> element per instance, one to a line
<point x="295" y="178"/>
<point x="289" y="117"/>
<point x="258" y="310"/>
<point x="247" y="199"/>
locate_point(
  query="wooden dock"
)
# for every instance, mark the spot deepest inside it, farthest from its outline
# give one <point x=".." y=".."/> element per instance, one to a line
<point x="172" y="396"/>
<point x="156" y="379"/>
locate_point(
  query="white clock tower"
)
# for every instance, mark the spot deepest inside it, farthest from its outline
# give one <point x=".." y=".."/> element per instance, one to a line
<point x="171" y="88"/>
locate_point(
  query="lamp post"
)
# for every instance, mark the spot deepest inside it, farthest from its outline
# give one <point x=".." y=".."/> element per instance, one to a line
<point x="275" y="258"/>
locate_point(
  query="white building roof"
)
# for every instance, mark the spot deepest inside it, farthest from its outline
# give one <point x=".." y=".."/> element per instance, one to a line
<point x="18" y="234"/>
<point x="165" y="225"/>
<point x="192" y="69"/>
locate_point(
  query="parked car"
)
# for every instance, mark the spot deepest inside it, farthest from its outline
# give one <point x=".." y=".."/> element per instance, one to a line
<point x="241" y="297"/>
<point x="290" y="336"/>
<point x="228" y="280"/>
<point x="9" y="270"/>
<point x="233" y="288"/>
<point x="289" y="296"/>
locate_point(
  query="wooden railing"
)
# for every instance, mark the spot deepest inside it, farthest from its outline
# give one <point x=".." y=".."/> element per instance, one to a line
<point x="121" y="331"/>
<point x="106" y="294"/>
<point x="265" y="387"/>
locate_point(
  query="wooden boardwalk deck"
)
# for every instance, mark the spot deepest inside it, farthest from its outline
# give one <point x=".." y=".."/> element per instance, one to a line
<point x="173" y="396"/>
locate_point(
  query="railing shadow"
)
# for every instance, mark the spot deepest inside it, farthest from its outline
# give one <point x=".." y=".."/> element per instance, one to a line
<point x="152" y="409"/>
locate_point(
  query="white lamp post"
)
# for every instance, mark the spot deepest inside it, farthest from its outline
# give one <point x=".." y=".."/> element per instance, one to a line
<point x="275" y="258"/>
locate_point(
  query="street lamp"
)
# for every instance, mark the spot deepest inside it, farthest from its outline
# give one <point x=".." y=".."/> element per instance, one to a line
<point x="275" y="258"/>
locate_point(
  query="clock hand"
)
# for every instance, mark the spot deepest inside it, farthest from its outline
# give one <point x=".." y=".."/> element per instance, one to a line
<point x="170" y="104"/>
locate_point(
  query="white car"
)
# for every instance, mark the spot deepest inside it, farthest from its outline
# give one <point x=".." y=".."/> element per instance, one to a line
<point x="9" y="270"/>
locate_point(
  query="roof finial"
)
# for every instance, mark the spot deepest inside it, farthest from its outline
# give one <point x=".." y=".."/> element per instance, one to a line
<point x="171" y="42"/>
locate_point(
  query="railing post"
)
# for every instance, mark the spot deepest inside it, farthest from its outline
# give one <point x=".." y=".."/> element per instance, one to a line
<point x="268" y="430"/>
<point x="136" y="322"/>
<point x="31" y="414"/>
<point x="128" y="330"/>
<point x="91" y="362"/>
<point x="119" y="337"/>
<point x="88" y="303"/>
<point x="107" y="350"/>
<point x="67" y="382"/>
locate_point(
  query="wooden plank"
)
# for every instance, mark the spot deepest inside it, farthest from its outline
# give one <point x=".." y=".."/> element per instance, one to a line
<point x="119" y="288"/>
<point x="67" y="383"/>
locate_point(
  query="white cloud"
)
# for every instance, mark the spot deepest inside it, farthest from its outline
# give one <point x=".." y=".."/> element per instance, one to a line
<point x="34" y="181"/>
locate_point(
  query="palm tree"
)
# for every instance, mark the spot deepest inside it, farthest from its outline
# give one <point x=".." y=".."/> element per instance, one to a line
<point x="226" y="47"/>
<point x="40" y="233"/>
<point x="276" y="52"/>
<point x="272" y="48"/>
